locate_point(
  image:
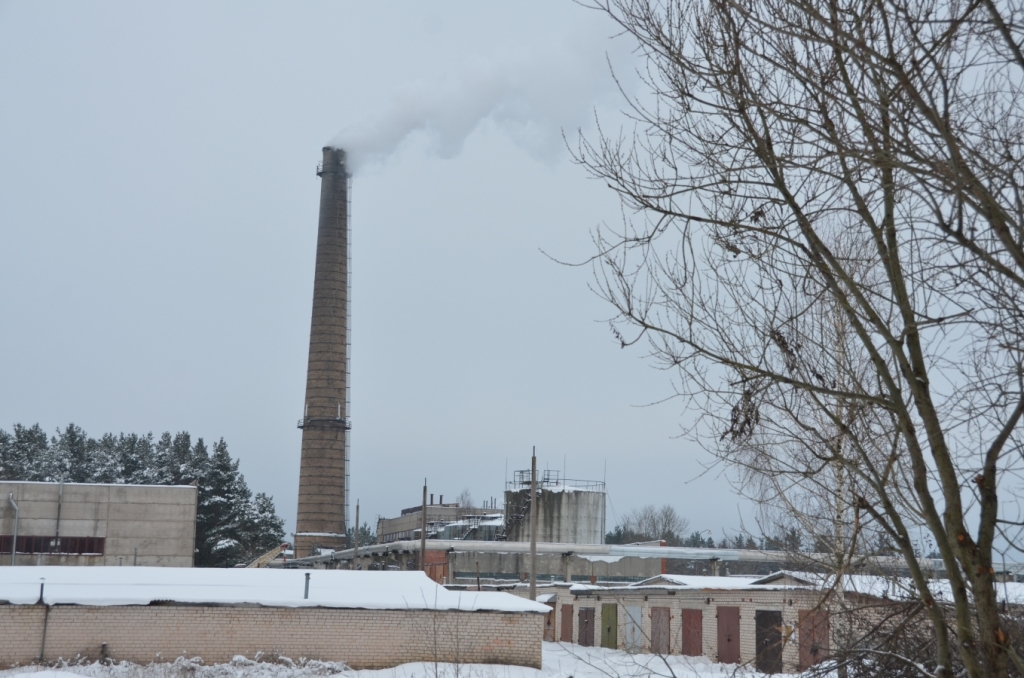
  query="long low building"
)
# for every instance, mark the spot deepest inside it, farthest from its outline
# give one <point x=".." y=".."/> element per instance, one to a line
<point x="732" y="620"/>
<point x="459" y="561"/>
<point x="364" y="619"/>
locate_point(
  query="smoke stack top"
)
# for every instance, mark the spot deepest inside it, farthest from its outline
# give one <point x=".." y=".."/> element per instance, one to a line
<point x="323" y="473"/>
<point x="335" y="161"/>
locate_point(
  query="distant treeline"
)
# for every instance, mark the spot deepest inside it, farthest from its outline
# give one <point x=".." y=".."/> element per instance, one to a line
<point x="232" y="525"/>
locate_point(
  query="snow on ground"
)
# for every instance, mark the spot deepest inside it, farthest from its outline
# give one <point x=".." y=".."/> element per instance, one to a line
<point x="560" y="661"/>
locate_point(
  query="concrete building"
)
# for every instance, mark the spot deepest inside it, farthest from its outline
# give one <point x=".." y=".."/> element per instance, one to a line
<point x="459" y="561"/>
<point x="96" y="524"/>
<point x="568" y="511"/>
<point x="368" y="620"/>
<point x="444" y="521"/>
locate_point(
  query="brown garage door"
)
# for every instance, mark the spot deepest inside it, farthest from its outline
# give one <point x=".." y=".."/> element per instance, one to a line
<point x="729" y="635"/>
<point x="693" y="632"/>
<point x="813" y="629"/>
<point x="661" y="634"/>
<point x="586" y="632"/>
<point x="566" y="624"/>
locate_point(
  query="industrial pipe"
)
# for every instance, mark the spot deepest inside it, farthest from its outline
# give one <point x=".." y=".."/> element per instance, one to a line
<point x="14" y="541"/>
<point x="533" y="526"/>
<point x="621" y="550"/>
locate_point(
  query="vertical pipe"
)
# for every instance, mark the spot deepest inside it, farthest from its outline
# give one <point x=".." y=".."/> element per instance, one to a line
<point x="423" y="530"/>
<point x="60" y="501"/>
<point x="533" y="526"/>
<point x="46" y="622"/>
<point x="478" y="575"/>
<point x="355" y="555"/>
<point x="14" y="540"/>
<point x="305" y="596"/>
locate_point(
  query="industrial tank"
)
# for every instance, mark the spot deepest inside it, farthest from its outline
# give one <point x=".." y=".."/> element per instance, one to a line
<point x="568" y="511"/>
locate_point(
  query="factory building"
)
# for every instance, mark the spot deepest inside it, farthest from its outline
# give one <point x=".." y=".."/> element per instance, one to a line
<point x="444" y="521"/>
<point x="97" y="524"/>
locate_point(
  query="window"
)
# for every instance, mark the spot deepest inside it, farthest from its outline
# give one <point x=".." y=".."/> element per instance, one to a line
<point x="77" y="546"/>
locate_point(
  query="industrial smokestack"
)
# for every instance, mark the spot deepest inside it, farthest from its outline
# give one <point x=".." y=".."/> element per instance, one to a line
<point x="323" y="474"/>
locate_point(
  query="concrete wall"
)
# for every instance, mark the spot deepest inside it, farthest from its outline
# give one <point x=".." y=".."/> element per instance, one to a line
<point x="564" y="516"/>
<point x="460" y="567"/>
<point x="551" y="567"/>
<point x="159" y="521"/>
<point x="363" y="639"/>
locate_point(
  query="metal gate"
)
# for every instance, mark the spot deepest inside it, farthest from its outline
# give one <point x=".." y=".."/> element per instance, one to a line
<point x="661" y="634"/>
<point x="729" y="635"/>
<point x="566" y="636"/>
<point x="768" y="637"/>
<point x="634" y="638"/>
<point x="693" y="632"/>
<point x="609" y="625"/>
<point x="813" y="629"/>
<point x="586" y="632"/>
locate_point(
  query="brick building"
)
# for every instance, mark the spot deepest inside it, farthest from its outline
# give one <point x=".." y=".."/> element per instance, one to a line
<point x="732" y="620"/>
<point x="364" y="619"/>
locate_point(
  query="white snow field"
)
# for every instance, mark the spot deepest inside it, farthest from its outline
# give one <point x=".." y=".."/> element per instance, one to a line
<point x="560" y="661"/>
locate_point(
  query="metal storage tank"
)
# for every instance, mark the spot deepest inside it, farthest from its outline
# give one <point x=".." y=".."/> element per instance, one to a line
<point x="568" y="511"/>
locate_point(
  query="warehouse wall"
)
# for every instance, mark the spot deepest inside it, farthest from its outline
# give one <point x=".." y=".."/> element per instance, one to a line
<point x="363" y="639"/>
<point x="159" y="521"/>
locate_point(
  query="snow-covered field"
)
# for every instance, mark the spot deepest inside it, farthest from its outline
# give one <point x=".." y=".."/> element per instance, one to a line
<point x="560" y="661"/>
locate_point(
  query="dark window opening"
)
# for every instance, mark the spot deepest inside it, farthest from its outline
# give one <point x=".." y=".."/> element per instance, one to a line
<point x="75" y="546"/>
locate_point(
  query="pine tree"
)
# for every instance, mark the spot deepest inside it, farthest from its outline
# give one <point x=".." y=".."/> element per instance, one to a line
<point x="135" y="458"/>
<point x="367" y="537"/>
<point x="70" y="455"/>
<point x="223" y="500"/>
<point x="262" y="529"/>
<point x="23" y="453"/>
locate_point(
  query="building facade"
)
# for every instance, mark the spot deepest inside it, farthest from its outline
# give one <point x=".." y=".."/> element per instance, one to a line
<point x="97" y="524"/>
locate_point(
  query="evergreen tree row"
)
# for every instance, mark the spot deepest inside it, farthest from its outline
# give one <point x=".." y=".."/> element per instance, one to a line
<point x="232" y="525"/>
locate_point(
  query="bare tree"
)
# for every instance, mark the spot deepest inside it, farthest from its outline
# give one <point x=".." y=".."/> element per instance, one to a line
<point x="825" y="239"/>
<point x="651" y="523"/>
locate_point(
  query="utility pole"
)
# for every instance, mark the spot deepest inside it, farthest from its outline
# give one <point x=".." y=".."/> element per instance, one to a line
<point x="355" y="553"/>
<point x="533" y="526"/>
<point x="423" y="530"/>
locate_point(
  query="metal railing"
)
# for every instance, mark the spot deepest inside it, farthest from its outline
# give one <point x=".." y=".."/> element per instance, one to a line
<point x="345" y="422"/>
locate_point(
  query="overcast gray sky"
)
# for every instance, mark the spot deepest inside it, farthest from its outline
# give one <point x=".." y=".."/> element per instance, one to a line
<point x="158" y="216"/>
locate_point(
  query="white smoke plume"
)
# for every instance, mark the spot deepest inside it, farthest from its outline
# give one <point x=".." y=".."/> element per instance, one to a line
<point x="532" y="96"/>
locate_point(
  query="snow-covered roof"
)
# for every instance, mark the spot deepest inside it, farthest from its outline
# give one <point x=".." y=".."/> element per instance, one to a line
<point x="891" y="588"/>
<point x="696" y="581"/>
<point x="681" y="582"/>
<point x="266" y="587"/>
